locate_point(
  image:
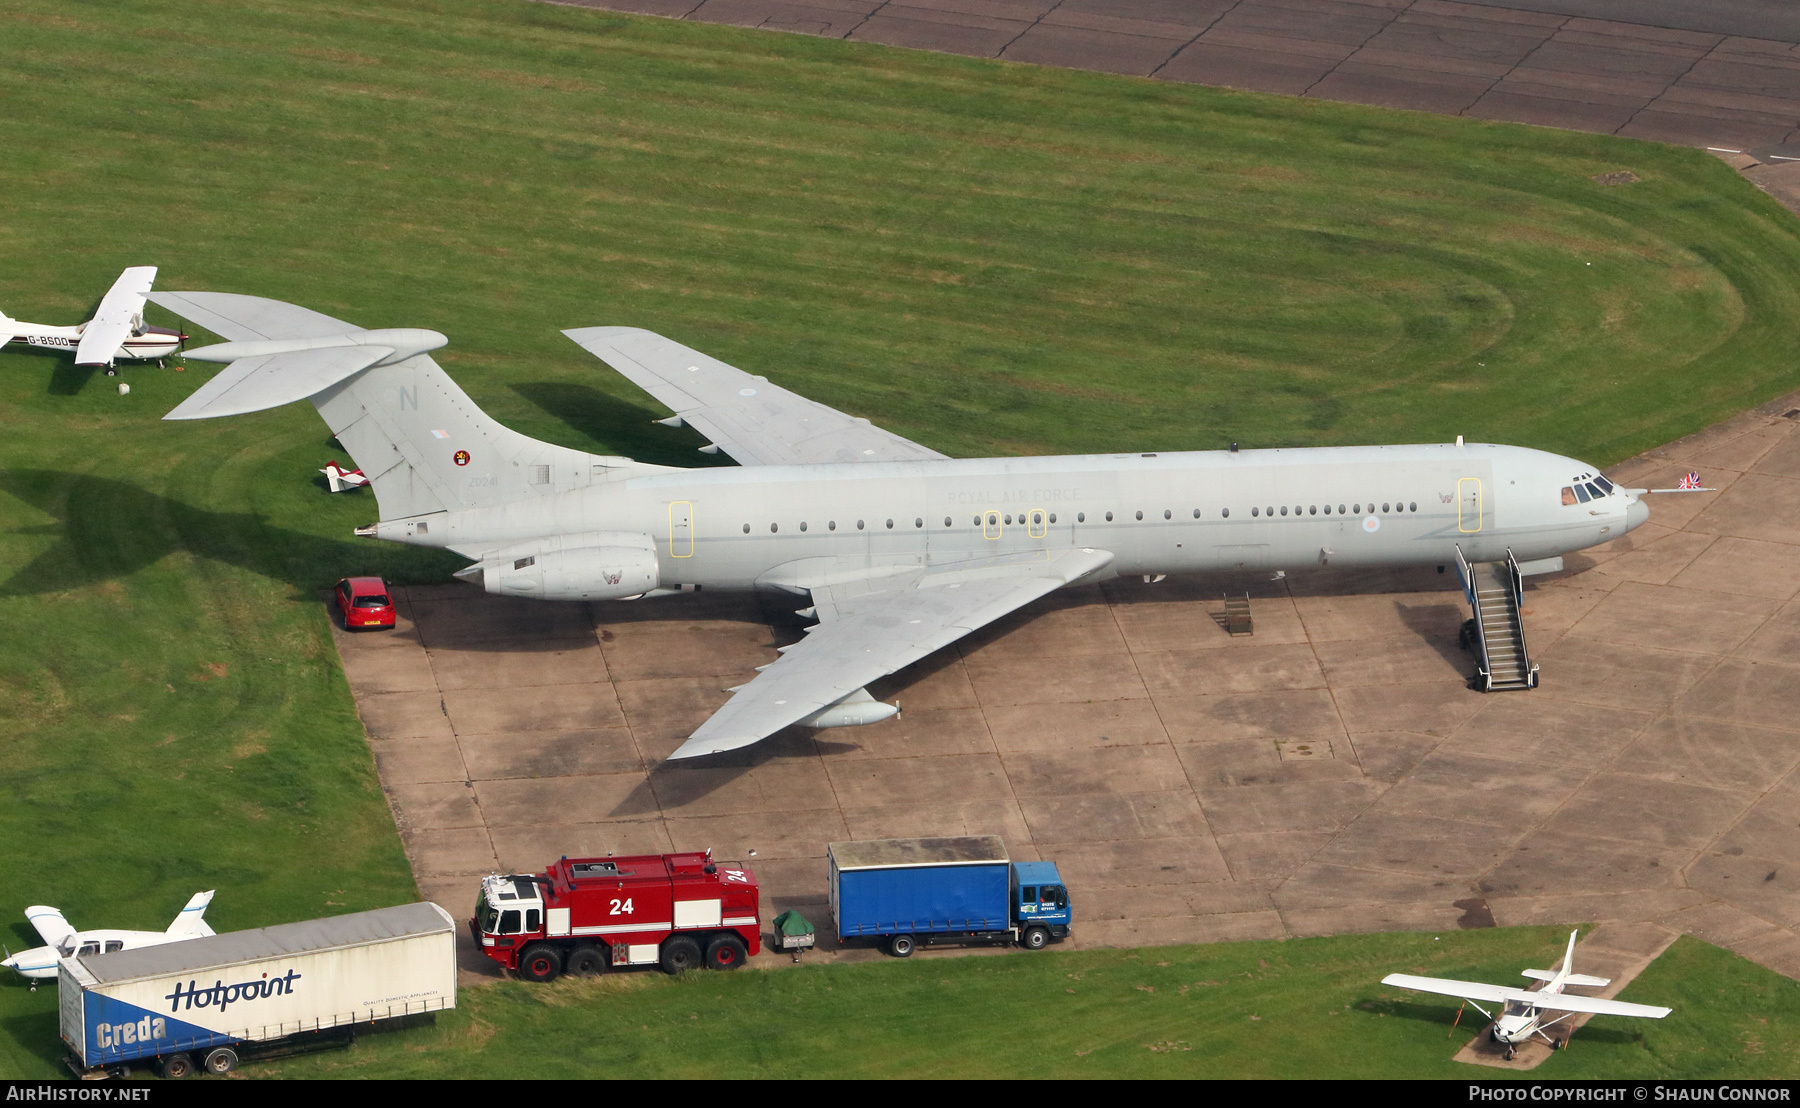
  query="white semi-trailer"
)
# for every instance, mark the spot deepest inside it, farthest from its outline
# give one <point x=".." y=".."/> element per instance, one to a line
<point x="209" y="1002"/>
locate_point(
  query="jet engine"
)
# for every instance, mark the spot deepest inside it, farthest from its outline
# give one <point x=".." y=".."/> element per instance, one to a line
<point x="602" y="565"/>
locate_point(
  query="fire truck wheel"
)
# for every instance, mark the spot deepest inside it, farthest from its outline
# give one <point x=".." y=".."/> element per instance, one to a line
<point x="540" y="962"/>
<point x="1036" y="938"/>
<point x="221" y="1060"/>
<point x="586" y="961"/>
<point x="679" y="955"/>
<point x="725" y="952"/>
<point x="174" y="1067"/>
<point x="901" y="946"/>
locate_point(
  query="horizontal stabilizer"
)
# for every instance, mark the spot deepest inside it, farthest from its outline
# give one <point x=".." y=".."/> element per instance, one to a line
<point x="1572" y="979"/>
<point x="119" y="312"/>
<point x="253" y="384"/>
<point x="232" y="315"/>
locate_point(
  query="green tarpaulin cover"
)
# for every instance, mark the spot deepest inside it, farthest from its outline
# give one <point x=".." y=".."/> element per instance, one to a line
<point x="793" y="923"/>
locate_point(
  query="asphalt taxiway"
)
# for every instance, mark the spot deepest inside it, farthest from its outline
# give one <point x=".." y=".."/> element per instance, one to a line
<point x="1723" y="74"/>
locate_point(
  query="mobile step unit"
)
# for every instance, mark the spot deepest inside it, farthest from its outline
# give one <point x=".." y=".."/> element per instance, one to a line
<point x="584" y="915"/>
<point x="1496" y="630"/>
<point x="910" y="891"/>
<point x="247" y="994"/>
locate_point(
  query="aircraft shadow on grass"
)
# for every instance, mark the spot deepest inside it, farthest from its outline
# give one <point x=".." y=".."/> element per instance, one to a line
<point x="111" y="529"/>
<point x="623" y="427"/>
<point x="1472" y="1022"/>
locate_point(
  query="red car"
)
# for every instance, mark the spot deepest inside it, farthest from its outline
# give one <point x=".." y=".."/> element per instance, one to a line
<point x="364" y="602"/>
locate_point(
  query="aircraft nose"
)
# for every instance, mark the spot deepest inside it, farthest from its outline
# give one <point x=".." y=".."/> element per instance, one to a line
<point x="1637" y="513"/>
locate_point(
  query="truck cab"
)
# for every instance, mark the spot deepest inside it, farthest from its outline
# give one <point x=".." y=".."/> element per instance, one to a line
<point x="507" y="909"/>
<point x="1040" y="903"/>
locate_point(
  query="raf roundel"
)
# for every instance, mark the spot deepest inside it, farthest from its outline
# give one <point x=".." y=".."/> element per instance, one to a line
<point x="461" y="457"/>
<point x="1372" y="524"/>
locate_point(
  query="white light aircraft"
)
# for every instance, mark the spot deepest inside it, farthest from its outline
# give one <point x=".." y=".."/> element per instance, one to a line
<point x="66" y="942"/>
<point x="1524" y="1011"/>
<point x="117" y="331"/>
<point x="338" y="479"/>
<point x="897" y="550"/>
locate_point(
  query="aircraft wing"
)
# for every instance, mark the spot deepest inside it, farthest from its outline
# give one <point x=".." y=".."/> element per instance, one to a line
<point x="118" y="314"/>
<point x="753" y="421"/>
<point x="869" y="629"/>
<point x="1500" y="994"/>
<point x="1468" y="990"/>
<point x="49" y="923"/>
<point x="239" y="318"/>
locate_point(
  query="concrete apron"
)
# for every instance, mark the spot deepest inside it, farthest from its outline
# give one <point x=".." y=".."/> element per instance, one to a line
<point x="1655" y="776"/>
<point x="1619" y="950"/>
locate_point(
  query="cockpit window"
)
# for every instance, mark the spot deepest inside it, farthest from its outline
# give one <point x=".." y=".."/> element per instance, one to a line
<point x="1582" y="494"/>
<point x="1604" y="484"/>
<point x="1568" y="495"/>
<point x="1594" y="492"/>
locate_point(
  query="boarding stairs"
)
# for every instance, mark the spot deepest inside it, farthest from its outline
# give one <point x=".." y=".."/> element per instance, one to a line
<point x="1496" y="634"/>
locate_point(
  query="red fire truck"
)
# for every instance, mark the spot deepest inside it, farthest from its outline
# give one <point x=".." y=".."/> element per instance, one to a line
<point x="582" y="915"/>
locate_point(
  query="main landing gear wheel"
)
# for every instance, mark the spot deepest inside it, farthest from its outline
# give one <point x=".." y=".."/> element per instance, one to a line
<point x="540" y="962"/>
<point x="1036" y="938"/>
<point x="726" y="952"/>
<point x="174" y="1067"/>
<point x="585" y="961"/>
<point x="220" y="1060"/>
<point x="679" y="955"/>
<point x="901" y="946"/>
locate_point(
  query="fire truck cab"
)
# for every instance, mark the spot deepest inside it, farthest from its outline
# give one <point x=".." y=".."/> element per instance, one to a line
<point x="583" y="915"/>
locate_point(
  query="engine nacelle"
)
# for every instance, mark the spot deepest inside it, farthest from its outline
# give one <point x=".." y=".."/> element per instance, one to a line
<point x="607" y="565"/>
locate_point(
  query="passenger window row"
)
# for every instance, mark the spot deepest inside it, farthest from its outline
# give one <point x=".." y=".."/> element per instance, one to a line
<point x="995" y="518"/>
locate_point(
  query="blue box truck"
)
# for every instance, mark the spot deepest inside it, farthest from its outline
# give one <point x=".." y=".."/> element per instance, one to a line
<point x="908" y="891"/>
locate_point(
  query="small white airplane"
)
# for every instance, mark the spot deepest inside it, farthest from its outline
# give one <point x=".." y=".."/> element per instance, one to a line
<point x="117" y="330"/>
<point x="1523" y="1011"/>
<point x="64" y="941"/>
<point x="340" y="478"/>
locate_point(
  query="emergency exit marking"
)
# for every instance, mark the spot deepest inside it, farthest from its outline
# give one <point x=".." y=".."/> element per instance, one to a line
<point x="1304" y="751"/>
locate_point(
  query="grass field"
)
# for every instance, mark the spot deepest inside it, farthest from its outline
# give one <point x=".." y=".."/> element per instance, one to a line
<point x="1306" y="1008"/>
<point x="985" y="257"/>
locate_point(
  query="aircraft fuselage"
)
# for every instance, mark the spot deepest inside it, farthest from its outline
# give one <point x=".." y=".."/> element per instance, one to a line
<point x="1165" y="512"/>
<point x="146" y="344"/>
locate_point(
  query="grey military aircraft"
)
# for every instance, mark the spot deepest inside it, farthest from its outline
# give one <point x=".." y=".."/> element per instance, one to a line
<point x="898" y="549"/>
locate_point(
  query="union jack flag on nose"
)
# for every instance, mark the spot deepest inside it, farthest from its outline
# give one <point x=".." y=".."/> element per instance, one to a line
<point x="1691" y="481"/>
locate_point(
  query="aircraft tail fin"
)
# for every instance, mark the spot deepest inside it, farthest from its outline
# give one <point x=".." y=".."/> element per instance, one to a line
<point x="423" y="444"/>
<point x="1568" y="965"/>
<point x="190" y="922"/>
<point x="49" y="923"/>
